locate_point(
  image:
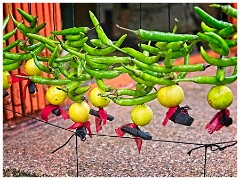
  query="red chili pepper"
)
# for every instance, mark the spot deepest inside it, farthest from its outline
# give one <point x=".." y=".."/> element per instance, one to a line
<point x="86" y="124"/>
<point x="138" y="140"/>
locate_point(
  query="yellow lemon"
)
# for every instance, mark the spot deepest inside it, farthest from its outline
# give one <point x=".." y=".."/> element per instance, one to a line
<point x="55" y="96"/>
<point x="170" y="96"/>
<point x="31" y="69"/>
<point x="6" y="84"/>
<point x="141" y="115"/>
<point x="220" y="97"/>
<point x="79" y="112"/>
<point x="97" y="100"/>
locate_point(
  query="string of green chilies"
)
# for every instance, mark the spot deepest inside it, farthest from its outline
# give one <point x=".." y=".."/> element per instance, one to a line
<point x="91" y="62"/>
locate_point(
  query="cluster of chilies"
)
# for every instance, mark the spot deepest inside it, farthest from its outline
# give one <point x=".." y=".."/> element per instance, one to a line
<point x="85" y="62"/>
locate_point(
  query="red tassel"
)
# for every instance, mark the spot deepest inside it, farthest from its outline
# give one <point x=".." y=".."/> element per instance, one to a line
<point x="169" y="113"/>
<point x="64" y="113"/>
<point x="138" y="140"/>
<point x="87" y="125"/>
<point x="46" y="111"/>
<point x="18" y="79"/>
<point x="139" y="143"/>
<point x="214" y="124"/>
<point x="102" y="120"/>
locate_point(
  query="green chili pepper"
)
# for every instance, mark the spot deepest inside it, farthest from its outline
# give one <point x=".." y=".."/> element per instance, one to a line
<point x="22" y="46"/>
<point x="228" y="31"/>
<point x="133" y="101"/>
<point x="82" y="90"/>
<point x="12" y="45"/>
<point x="206" y="28"/>
<point x="209" y="20"/>
<point x="111" y="60"/>
<point x="29" y="18"/>
<point x="65" y="73"/>
<point x="98" y="43"/>
<point x="40" y="65"/>
<point x="93" y="64"/>
<point x="186" y="62"/>
<point x="5" y="21"/>
<point x="100" y="74"/>
<point x="160" y="36"/>
<point x="42" y="39"/>
<point x="23" y="56"/>
<point x="227" y="9"/>
<point x="103" y="86"/>
<point x="211" y="79"/>
<point x="135" y="93"/>
<point x="231" y="42"/>
<point x="79" y="68"/>
<point x="9" y="61"/>
<point x="218" y="61"/>
<point x="79" y="43"/>
<point x="76" y="37"/>
<point x="139" y="80"/>
<point x="66" y="58"/>
<point x="39" y="27"/>
<point x="104" y="51"/>
<point x="46" y="81"/>
<point x="168" y="61"/>
<point x="215" y="40"/>
<point x="176" y="54"/>
<point x="11" y="67"/>
<point x="101" y="34"/>
<point x="156" y="74"/>
<point x="34" y="22"/>
<point x="148" y="77"/>
<point x="138" y="55"/>
<point x="178" y="68"/>
<point x="220" y="74"/>
<point x="72" y="31"/>
<point x="53" y="56"/>
<point x="10" y="34"/>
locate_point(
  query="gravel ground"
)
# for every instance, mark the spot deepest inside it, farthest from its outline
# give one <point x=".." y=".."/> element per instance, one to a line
<point x="28" y="151"/>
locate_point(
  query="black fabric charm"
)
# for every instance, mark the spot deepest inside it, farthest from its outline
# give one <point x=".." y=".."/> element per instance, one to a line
<point x="136" y="132"/>
<point x="56" y="111"/>
<point x="32" y="88"/>
<point x="81" y="132"/>
<point x="226" y="120"/>
<point x="5" y="93"/>
<point x="182" y="117"/>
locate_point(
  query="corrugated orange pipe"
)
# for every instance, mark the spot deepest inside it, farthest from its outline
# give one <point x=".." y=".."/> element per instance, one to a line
<point x="44" y="11"/>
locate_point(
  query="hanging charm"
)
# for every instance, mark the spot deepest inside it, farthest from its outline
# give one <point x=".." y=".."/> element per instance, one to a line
<point x="135" y="131"/>
<point x="178" y="115"/>
<point x="82" y="127"/>
<point x="219" y="120"/>
<point x="32" y="88"/>
<point x="55" y="109"/>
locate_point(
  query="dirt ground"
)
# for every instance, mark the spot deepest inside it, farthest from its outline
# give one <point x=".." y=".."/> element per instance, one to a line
<point x="27" y="151"/>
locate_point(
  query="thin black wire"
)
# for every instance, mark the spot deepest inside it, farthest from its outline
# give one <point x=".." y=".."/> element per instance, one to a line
<point x="200" y="145"/>
<point x="77" y="152"/>
<point x="115" y="136"/>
